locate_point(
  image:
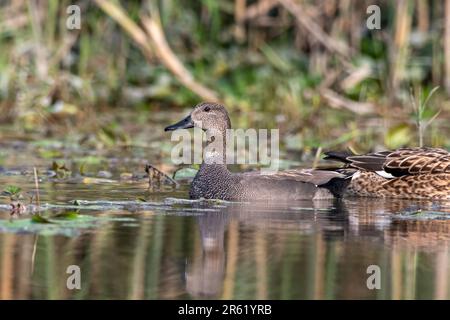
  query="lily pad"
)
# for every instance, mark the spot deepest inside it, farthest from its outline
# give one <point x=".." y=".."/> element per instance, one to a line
<point x="424" y="215"/>
<point x="68" y="215"/>
<point x="68" y="224"/>
<point x="37" y="218"/>
<point x="185" y="173"/>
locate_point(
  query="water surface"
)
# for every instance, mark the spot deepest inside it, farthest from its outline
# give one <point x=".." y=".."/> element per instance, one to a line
<point x="134" y="243"/>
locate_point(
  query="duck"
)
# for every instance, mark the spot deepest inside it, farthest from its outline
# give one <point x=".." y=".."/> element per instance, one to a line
<point x="408" y="173"/>
<point x="215" y="181"/>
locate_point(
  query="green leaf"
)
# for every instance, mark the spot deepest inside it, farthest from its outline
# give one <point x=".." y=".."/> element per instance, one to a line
<point x="68" y="215"/>
<point x="12" y="190"/>
<point x="427" y="99"/>
<point x="185" y="173"/>
<point x="49" y="154"/>
<point x="37" y="218"/>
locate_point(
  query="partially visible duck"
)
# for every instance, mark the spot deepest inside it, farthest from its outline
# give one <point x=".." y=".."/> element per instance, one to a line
<point x="215" y="181"/>
<point x="410" y="173"/>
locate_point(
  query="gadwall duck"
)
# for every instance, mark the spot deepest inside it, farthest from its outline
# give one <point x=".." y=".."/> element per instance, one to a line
<point x="409" y="173"/>
<point x="215" y="181"/>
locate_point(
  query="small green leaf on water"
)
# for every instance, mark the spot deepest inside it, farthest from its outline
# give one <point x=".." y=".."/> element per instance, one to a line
<point x="39" y="219"/>
<point x="68" y="215"/>
<point x="185" y="173"/>
<point x="142" y="199"/>
<point x="49" y="154"/>
<point x="12" y="190"/>
<point x="89" y="160"/>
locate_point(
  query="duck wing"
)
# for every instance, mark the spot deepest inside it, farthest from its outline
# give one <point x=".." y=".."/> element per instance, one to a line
<point x="316" y="177"/>
<point x="404" y="161"/>
<point x="302" y="181"/>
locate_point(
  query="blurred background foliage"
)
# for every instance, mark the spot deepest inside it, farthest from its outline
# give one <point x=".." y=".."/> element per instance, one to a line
<point x="311" y="68"/>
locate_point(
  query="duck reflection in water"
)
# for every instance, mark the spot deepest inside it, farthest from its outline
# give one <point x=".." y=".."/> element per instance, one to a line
<point x="260" y="233"/>
<point x="210" y="271"/>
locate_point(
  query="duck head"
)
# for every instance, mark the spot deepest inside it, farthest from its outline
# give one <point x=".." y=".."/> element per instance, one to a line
<point x="207" y="116"/>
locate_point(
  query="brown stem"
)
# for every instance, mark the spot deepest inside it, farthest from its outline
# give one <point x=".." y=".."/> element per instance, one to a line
<point x="315" y="30"/>
<point x="152" y="40"/>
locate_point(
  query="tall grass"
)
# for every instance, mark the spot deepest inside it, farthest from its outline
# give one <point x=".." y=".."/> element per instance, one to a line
<point x="422" y="113"/>
<point x="309" y="62"/>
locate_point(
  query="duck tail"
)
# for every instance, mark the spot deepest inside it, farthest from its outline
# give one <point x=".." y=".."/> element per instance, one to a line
<point x="340" y="156"/>
<point x="338" y="186"/>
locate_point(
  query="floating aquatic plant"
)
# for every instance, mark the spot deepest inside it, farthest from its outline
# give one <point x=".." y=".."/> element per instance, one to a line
<point x="13" y="192"/>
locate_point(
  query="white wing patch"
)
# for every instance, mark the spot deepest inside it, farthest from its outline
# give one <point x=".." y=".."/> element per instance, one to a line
<point x="356" y="175"/>
<point x="384" y="174"/>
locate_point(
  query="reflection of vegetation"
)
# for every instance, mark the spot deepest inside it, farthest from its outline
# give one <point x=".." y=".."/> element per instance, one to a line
<point x="275" y="256"/>
<point x="258" y="56"/>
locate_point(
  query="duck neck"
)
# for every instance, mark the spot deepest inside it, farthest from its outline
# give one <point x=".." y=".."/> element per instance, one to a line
<point x="214" y="154"/>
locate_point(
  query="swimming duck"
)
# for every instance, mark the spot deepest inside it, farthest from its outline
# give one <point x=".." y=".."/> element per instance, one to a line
<point x="409" y="173"/>
<point x="215" y="181"/>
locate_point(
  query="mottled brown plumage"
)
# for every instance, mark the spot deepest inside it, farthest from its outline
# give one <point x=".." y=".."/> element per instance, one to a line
<point x="416" y="173"/>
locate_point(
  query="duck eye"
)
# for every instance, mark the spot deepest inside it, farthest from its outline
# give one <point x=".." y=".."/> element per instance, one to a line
<point x="207" y="109"/>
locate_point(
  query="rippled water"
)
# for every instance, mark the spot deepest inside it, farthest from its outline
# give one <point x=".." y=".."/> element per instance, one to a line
<point x="133" y="243"/>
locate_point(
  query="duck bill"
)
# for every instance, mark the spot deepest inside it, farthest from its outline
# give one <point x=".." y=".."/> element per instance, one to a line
<point x="186" y="123"/>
